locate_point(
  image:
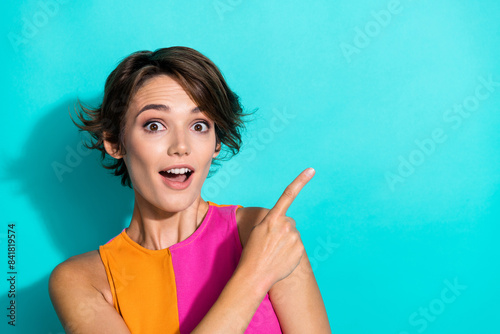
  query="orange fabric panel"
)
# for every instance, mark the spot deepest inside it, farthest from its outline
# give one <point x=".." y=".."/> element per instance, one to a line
<point x="222" y="205"/>
<point x="142" y="282"/>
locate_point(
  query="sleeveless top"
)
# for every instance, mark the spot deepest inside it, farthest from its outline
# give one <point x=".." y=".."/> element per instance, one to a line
<point x="171" y="290"/>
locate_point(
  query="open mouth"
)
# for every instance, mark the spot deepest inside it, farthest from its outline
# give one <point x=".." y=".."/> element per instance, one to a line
<point x="177" y="174"/>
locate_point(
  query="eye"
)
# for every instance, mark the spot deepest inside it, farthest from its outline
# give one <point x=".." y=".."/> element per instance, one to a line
<point x="153" y="126"/>
<point x="201" y="127"/>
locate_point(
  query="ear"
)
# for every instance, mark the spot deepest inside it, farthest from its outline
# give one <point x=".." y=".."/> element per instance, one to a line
<point x="218" y="147"/>
<point x="112" y="149"/>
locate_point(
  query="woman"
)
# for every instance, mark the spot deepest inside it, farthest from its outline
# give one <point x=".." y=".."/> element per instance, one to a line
<point x="184" y="265"/>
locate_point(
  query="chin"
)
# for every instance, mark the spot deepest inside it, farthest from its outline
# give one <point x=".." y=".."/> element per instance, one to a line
<point x="178" y="204"/>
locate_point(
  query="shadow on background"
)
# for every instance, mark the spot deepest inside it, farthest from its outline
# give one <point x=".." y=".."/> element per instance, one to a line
<point x="80" y="202"/>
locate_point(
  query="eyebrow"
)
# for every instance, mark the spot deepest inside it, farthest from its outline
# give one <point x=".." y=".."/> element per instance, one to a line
<point x="163" y="107"/>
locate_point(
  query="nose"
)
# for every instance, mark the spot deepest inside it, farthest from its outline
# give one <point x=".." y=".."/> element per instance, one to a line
<point x="179" y="144"/>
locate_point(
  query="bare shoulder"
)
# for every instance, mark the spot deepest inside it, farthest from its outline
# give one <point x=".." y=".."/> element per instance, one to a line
<point x="247" y="218"/>
<point x="81" y="296"/>
<point x="84" y="271"/>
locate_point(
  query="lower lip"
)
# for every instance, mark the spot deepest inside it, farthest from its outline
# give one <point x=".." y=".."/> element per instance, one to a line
<point x="177" y="185"/>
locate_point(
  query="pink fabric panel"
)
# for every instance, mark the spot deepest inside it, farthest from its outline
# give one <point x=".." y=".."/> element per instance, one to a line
<point x="204" y="262"/>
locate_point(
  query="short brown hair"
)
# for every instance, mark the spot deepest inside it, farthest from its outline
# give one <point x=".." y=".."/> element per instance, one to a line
<point x="198" y="75"/>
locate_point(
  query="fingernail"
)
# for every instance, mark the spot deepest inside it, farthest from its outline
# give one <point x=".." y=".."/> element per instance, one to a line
<point x="310" y="171"/>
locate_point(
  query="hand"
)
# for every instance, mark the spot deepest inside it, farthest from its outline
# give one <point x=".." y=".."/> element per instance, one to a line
<point x="274" y="247"/>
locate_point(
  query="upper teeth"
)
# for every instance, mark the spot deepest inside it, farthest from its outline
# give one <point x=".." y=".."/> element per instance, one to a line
<point x="179" y="170"/>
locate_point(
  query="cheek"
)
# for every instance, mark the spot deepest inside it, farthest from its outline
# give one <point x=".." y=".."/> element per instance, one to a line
<point x="210" y="148"/>
<point x="141" y="156"/>
<point x="204" y="153"/>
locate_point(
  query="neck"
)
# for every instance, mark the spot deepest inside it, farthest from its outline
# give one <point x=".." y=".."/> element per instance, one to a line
<point x="156" y="229"/>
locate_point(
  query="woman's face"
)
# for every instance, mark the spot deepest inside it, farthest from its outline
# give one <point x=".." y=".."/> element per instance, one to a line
<point x="169" y="145"/>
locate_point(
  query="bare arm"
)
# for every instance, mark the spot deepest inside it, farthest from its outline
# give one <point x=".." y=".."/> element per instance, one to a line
<point x="235" y="307"/>
<point x="298" y="303"/>
<point x="296" y="299"/>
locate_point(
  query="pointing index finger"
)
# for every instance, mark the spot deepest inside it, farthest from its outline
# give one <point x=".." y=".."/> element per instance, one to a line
<point x="291" y="192"/>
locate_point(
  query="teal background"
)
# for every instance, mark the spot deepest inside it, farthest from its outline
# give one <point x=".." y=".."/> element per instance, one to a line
<point x="388" y="225"/>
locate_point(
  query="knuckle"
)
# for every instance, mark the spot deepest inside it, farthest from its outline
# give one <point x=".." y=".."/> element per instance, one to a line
<point x="289" y="192"/>
<point x="286" y="227"/>
<point x="296" y="237"/>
